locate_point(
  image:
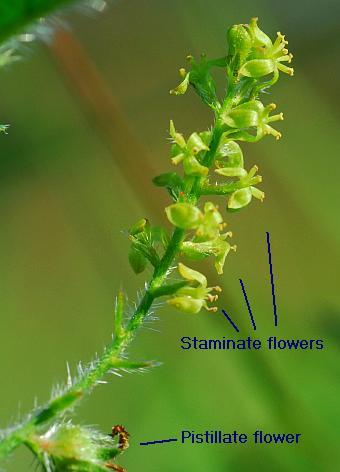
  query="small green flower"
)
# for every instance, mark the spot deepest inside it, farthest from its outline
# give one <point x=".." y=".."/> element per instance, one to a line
<point x="252" y="114"/>
<point x="191" y="299"/>
<point x="211" y="223"/>
<point x="239" y="41"/>
<point x="265" y="57"/>
<point x="207" y="224"/>
<point x="247" y="181"/>
<point x="217" y="247"/>
<point x="187" y="151"/>
<point x="207" y="239"/>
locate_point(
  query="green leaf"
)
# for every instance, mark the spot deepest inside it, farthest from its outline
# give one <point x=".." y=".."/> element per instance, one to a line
<point x="168" y="179"/>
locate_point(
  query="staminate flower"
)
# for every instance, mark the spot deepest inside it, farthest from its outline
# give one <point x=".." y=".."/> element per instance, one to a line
<point x="266" y="57"/>
<point x="252" y="114"/>
<point x="191" y="299"/>
<point x="187" y="152"/>
<point x="247" y="181"/>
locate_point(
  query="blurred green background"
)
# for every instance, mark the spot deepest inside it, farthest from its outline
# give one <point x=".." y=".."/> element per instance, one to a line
<point x="72" y="178"/>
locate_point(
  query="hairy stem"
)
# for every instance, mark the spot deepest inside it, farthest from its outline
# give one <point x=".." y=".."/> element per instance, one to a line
<point x="108" y="360"/>
<point x="84" y="385"/>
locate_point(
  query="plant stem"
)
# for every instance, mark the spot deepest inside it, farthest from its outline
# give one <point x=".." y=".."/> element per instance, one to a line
<point x="84" y="385"/>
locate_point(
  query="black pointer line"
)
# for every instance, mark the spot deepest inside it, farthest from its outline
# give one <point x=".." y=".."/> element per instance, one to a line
<point x="230" y="321"/>
<point x="160" y="441"/>
<point x="248" y="305"/>
<point x="271" y="277"/>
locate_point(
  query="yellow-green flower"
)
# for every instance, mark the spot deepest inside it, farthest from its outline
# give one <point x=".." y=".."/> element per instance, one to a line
<point x="187" y="151"/>
<point x="266" y="57"/>
<point x="252" y="114"/>
<point x="191" y="299"/>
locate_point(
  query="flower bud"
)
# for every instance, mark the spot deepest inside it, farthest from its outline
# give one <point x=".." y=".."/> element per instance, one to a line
<point x="184" y="215"/>
<point x="137" y="261"/>
<point x="239" y="41"/>
<point x="138" y="227"/>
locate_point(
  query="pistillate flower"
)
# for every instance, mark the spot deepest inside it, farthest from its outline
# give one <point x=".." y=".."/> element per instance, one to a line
<point x="68" y="447"/>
